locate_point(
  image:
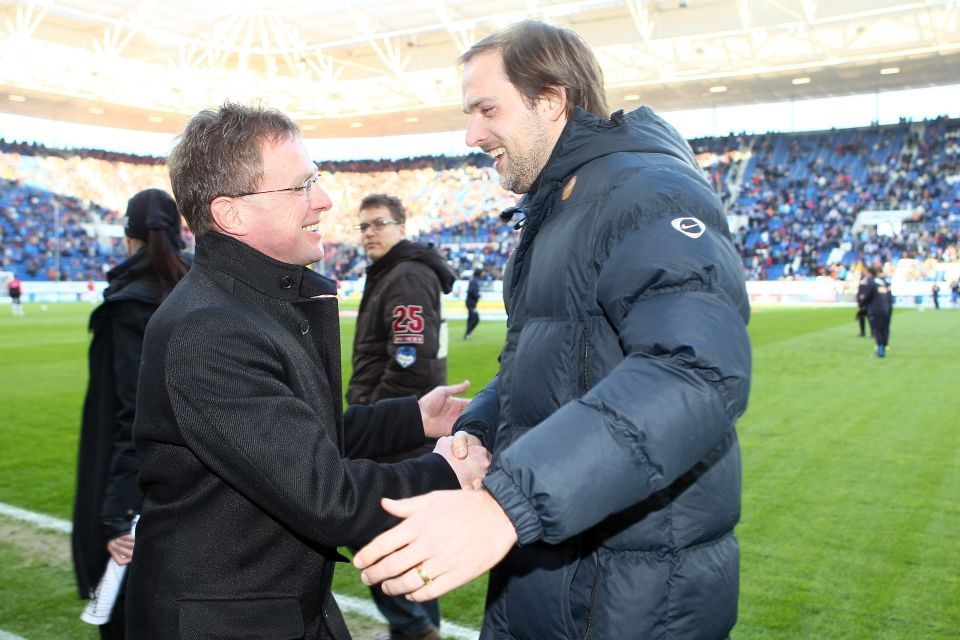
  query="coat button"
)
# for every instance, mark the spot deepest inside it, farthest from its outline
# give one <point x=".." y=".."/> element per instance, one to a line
<point x="286" y="282"/>
<point x="304" y="327"/>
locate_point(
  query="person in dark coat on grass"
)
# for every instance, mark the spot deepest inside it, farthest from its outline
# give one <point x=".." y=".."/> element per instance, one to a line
<point x="107" y="497"/>
<point x="473" y="298"/>
<point x="252" y="474"/>
<point x="609" y="510"/>
<point x="877" y="298"/>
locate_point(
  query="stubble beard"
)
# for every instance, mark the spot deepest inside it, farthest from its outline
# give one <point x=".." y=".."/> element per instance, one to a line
<point x="523" y="166"/>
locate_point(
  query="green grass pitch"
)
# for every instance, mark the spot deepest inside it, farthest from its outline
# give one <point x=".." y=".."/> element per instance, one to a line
<point x="851" y="482"/>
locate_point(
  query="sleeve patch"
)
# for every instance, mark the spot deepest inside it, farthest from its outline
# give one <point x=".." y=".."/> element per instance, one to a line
<point x="406" y="356"/>
<point x="407" y="324"/>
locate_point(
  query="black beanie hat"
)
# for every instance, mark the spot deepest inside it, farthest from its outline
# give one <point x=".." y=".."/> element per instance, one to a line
<point x="153" y="209"/>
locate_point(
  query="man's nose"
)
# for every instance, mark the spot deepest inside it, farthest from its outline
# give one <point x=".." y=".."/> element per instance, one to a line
<point x="476" y="132"/>
<point x="319" y="199"/>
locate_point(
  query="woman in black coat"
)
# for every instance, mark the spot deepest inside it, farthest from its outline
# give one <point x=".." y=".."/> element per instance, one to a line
<point x="107" y="496"/>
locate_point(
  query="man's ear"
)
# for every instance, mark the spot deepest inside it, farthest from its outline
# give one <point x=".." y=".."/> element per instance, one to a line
<point x="553" y="103"/>
<point x="227" y="216"/>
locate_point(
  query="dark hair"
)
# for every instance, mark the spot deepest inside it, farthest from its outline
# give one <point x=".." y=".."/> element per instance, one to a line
<point x="539" y="59"/>
<point x="219" y="153"/>
<point x="165" y="261"/>
<point x="392" y="204"/>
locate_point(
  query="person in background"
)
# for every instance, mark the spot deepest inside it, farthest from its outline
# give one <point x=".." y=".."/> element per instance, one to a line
<point x="15" y="290"/>
<point x="252" y="474"/>
<point x="399" y="349"/>
<point x="107" y="497"/>
<point x="935" y="294"/>
<point x="861" y="316"/>
<point x="877" y="299"/>
<point x="609" y="510"/>
<point x="473" y="297"/>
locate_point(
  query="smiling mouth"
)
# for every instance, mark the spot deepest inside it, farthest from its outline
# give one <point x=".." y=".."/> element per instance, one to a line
<point x="312" y="227"/>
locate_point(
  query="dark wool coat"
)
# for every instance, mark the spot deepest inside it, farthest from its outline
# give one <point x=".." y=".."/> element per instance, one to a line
<point x="247" y="493"/>
<point x="611" y="421"/>
<point x="107" y="495"/>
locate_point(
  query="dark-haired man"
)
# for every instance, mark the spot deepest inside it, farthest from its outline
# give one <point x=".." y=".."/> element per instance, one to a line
<point x="399" y="349"/>
<point x="610" y="507"/>
<point x="252" y="474"/>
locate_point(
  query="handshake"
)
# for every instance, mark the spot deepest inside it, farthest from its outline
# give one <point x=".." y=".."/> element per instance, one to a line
<point x="446" y="538"/>
<point x="439" y="410"/>
<point x="468" y="458"/>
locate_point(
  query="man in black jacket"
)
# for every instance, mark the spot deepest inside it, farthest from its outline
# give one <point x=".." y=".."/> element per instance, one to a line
<point x="399" y="349"/>
<point x="400" y="345"/>
<point x="252" y="474"/>
<point x="609" y="510"/>
<point x="877" y="299"/>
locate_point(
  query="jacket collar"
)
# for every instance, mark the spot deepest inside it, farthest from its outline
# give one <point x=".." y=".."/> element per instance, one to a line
<point x="405" y="251"/>
<point x="587" y="137"/>
<point x="268" y="276"/>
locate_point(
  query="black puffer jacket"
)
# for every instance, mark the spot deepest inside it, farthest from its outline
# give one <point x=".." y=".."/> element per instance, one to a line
<point x="400" y="345"/>
<point x="626" y="365"/>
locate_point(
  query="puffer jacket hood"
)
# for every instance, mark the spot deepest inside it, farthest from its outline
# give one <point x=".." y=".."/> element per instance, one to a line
<point x="588" y="137"/>
<point x="402" y="252"/>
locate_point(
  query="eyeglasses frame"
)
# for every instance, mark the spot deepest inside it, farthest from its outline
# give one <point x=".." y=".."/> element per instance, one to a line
<point x="379" y="224"/>
<point x="305" y="188"/>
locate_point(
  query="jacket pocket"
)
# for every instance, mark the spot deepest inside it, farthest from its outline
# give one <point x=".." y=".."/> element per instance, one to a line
<point x="279" y="618"/>
<point x="548" y="368"/>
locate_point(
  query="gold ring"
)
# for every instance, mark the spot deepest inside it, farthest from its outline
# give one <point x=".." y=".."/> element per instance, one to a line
<point x="423" y="574"/>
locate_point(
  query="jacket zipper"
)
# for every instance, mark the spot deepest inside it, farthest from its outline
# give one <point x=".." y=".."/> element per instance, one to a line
<point x="585" y="357"/>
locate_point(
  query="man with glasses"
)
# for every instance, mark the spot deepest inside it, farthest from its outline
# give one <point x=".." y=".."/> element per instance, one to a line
<point x="399" y="349"/>
<point x="252" y="474"/>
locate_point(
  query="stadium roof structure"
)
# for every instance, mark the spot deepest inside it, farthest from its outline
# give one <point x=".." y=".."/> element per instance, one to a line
<point x="382" y="67"/>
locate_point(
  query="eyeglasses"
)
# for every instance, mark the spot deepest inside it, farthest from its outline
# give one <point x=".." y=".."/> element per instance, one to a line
<point x="305" y="188"/>
<point x="377" y="224"/>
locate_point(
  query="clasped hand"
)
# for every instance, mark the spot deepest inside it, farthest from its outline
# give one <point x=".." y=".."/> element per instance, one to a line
<point x="446" y="539"/>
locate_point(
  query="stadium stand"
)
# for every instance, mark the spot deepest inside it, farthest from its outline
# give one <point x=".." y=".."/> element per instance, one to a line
<point x="794" y="201"/>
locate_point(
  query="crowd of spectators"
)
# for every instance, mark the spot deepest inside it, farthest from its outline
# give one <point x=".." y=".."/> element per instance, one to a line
<point x="29" y="222"/>
<point x="793" y="200"/>
<point x="800" y="196"/>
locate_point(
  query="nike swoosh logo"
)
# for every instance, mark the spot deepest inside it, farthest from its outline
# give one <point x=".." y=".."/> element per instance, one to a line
<point x="689" y="226"/>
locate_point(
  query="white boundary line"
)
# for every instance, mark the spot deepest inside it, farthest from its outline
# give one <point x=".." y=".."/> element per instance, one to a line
<point x="347" y="603"/>
<point x="36" y="519"/>
<point x="367" y="609"/>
